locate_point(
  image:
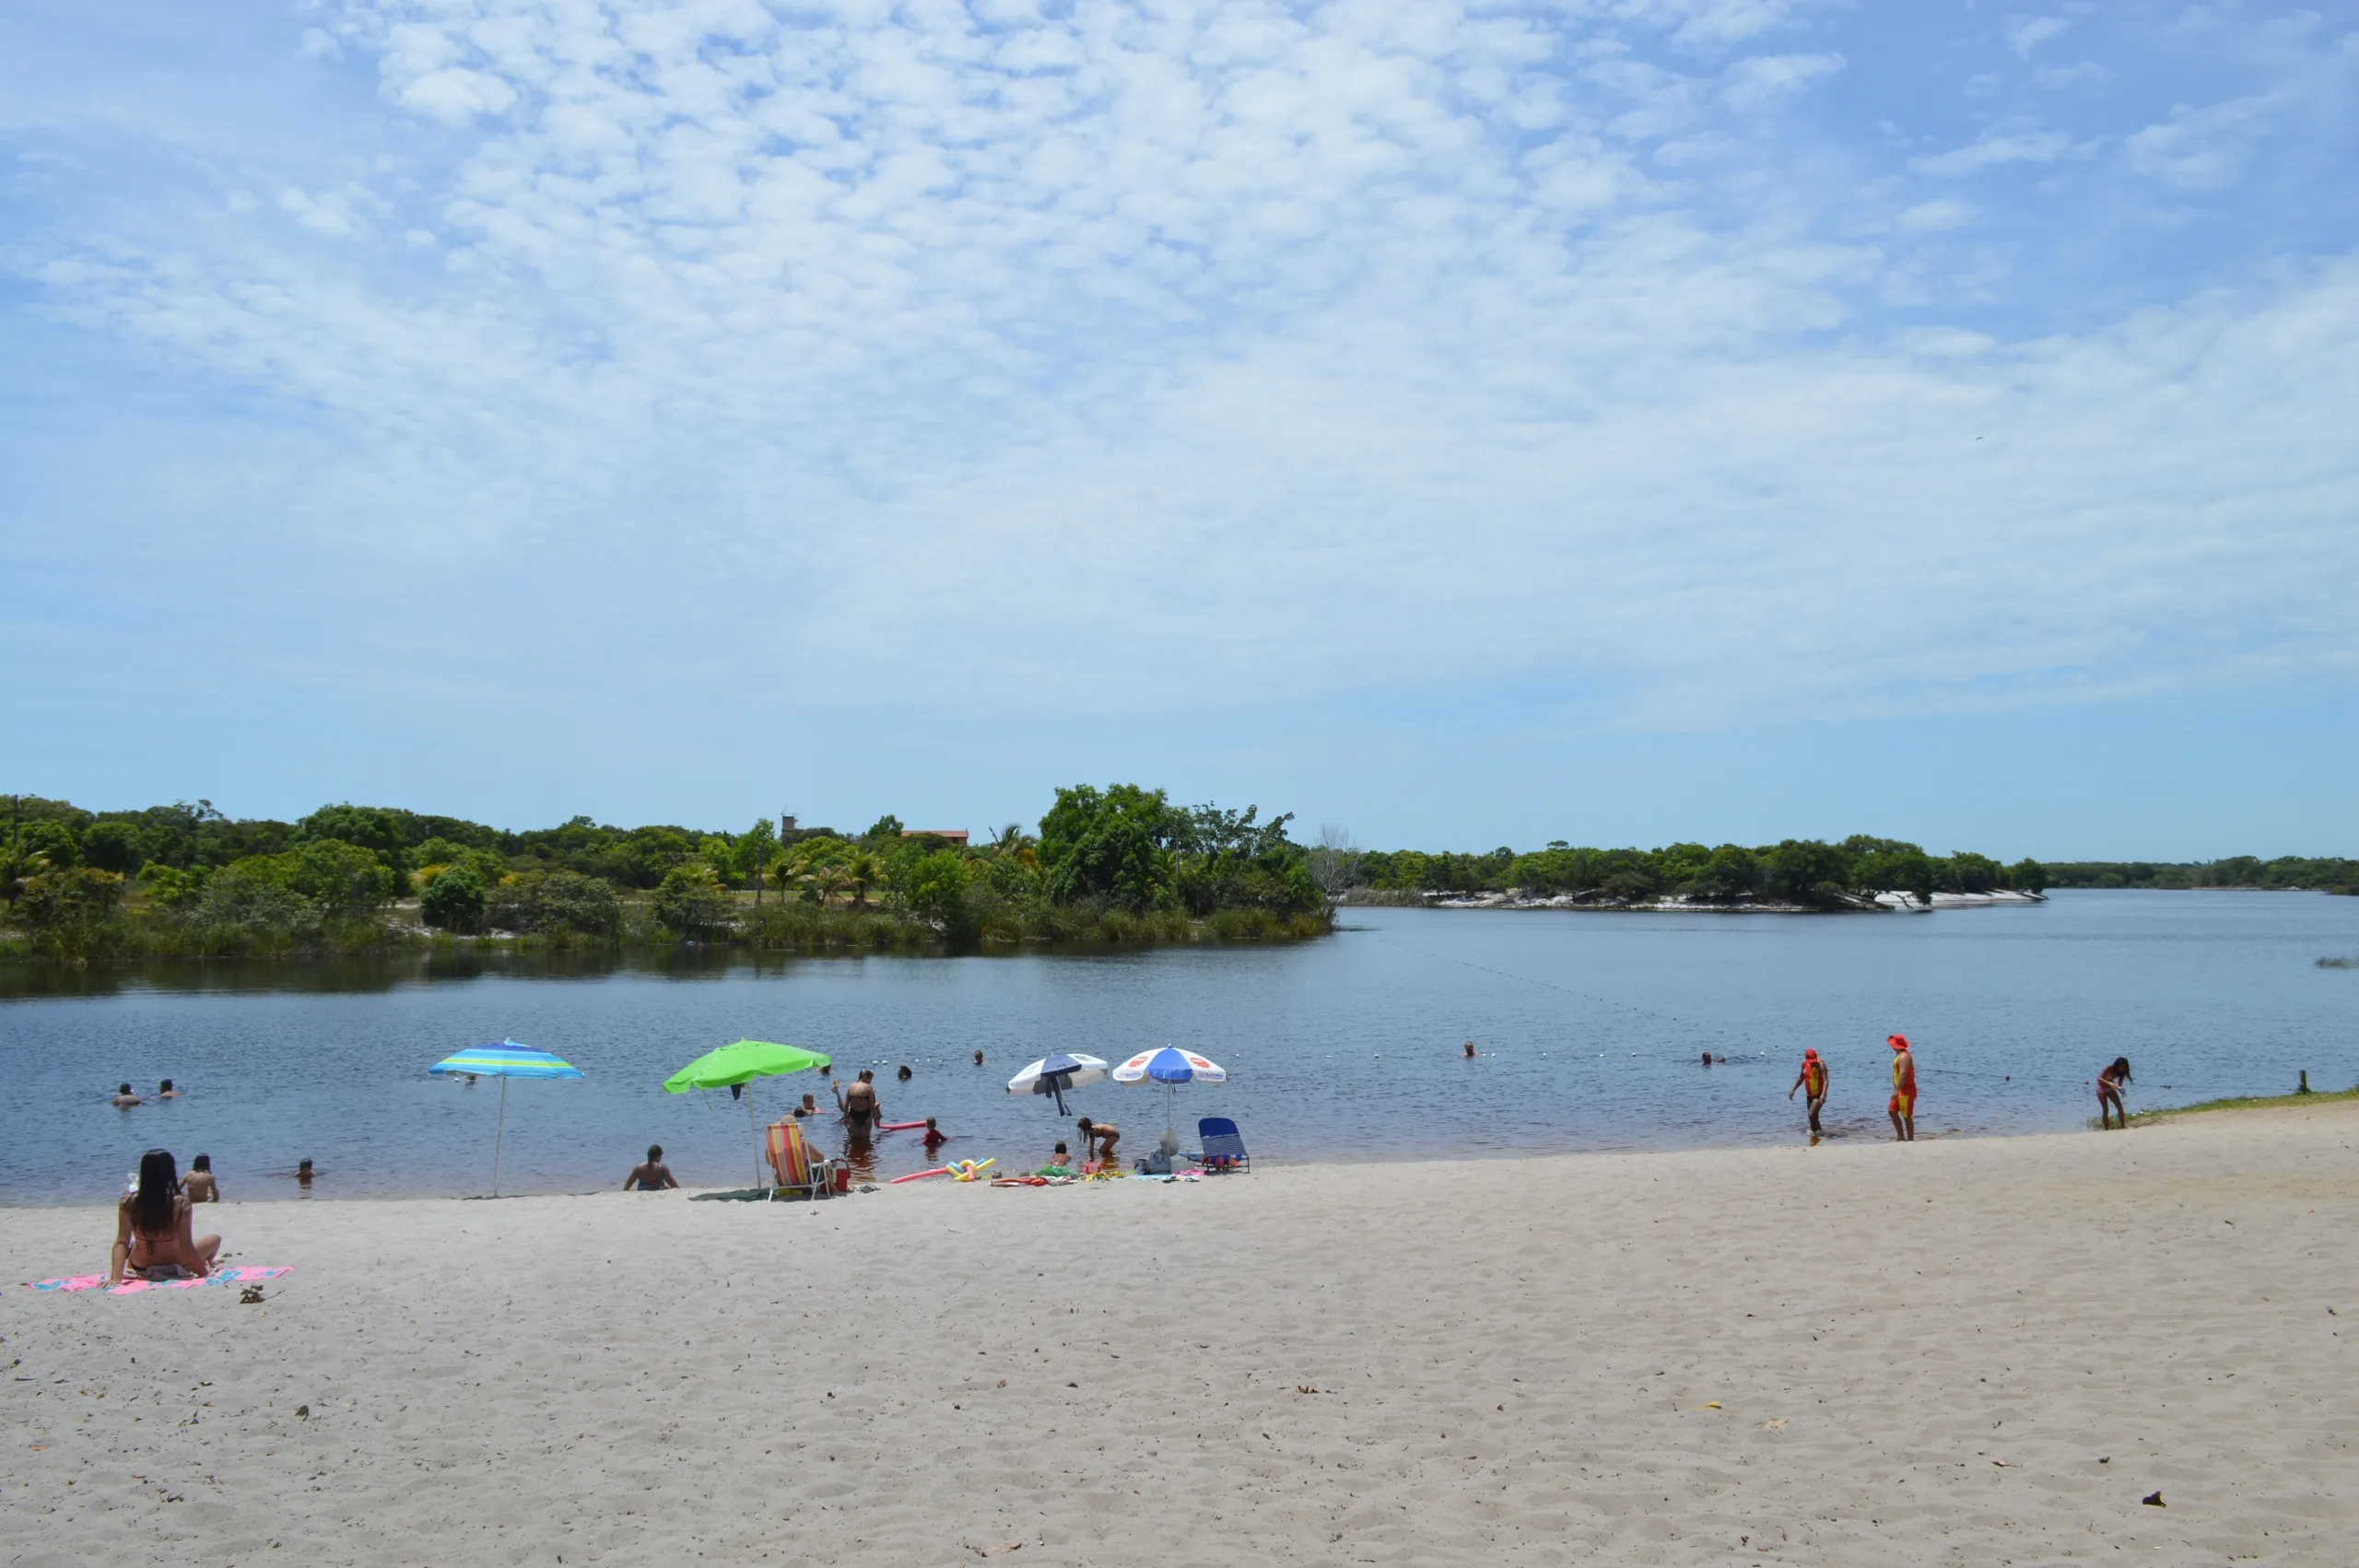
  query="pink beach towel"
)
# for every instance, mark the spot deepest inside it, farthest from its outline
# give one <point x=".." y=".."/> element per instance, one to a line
<point x="239" y="1276"/>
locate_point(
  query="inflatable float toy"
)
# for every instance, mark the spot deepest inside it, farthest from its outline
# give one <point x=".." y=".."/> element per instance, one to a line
<point x="920" y="1176"/>
<point x="968" y="1170"/>
<point x="900" y="1126"/>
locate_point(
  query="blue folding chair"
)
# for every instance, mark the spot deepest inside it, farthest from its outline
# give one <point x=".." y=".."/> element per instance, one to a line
<point x="1223" y="1147"/>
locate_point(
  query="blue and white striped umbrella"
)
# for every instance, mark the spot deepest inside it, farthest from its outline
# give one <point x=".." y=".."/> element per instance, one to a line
<point x="504" y="1060"/>
<point x="1168" y="1067"/>
<point x="1052" y="1075"/>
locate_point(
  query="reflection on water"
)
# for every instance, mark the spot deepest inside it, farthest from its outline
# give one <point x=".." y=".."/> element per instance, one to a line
<point x="1589" y="1030"/>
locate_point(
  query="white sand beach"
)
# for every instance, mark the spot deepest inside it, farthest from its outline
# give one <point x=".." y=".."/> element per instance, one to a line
<point x="1971" y="1352"/>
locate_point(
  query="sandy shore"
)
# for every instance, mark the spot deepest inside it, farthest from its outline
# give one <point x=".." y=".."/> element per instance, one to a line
<point x="1857" y="1354"/>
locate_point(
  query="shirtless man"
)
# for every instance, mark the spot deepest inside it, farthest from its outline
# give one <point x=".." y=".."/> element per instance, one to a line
<point x="652" y="1174"/>
<point x="125" y="1098"/>
<point x="861" y="1113"/>
<point x="1903" y="1108"/>
<point x="1097" y="1140"/>
<point x="1813" y="1077"/>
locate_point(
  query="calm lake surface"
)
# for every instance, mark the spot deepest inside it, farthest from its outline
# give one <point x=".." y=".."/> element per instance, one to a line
<point x="1590" y="1026"/>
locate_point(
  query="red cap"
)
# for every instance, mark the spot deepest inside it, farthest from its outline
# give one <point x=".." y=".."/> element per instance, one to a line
<point x="1898" y="1042"/>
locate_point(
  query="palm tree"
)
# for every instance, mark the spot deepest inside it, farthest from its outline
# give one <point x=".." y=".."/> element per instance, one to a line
<point x="832" y="879"/>
<point x="863" y="872"/>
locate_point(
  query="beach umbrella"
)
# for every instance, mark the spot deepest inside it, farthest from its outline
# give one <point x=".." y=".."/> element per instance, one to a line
<point x="503" y="1061"/>
<point x="1052" y="1075"/>
<point x="1170" y="1067"/>
<point x="735" y="1065"/>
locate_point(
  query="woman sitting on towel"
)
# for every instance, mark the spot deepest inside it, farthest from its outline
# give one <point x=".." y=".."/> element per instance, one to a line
<point x="152" y="1227"/>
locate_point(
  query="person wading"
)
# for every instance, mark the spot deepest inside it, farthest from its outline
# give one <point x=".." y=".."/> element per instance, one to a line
<point x="1812" y="1080"/>
<point x="1903" y="1107"/>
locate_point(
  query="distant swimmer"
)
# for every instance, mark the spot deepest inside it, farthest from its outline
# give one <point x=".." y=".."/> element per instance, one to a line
<point x="2110" y="1082"/>
<point x="165" y="1090"/>
<point x="1470" y="1050"/>
<point x="809" y="1107"/>
<point x="979" y="1058"/>
<point x="1812" y="1078"/>
<point x="304" y="1173"/>
<point x="904" y="1075"/>
<point x="125" y="1098"/>
<point x="1903" y="1106"/>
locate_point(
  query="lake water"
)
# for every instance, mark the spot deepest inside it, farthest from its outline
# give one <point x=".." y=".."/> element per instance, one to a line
<point x="1591" y="1027"/>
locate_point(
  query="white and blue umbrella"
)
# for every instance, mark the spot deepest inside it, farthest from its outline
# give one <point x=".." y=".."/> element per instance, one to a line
<point x="503" y="1061"/>
<point x="1052" y="1075"/>
<point x="1170" y="1067"/>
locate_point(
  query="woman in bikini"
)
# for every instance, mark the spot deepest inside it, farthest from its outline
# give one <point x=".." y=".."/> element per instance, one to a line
<point x="2110" y="1082"/>
<point x="152" y="1228"/>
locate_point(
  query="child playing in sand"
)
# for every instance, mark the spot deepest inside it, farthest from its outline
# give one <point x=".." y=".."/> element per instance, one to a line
<point x="1060" y="1165"/>
<point x="200" y="1186"/>
<point x="1097" y="1140"/>
<point x="935" y="1137"/>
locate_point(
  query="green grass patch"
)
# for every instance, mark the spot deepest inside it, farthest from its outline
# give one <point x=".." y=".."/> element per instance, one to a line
<point x="2249" y="1102"/>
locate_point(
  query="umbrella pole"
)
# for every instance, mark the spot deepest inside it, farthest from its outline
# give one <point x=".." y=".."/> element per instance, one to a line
<point x="500" y="1138"/>
<point x="755" y="1125"/>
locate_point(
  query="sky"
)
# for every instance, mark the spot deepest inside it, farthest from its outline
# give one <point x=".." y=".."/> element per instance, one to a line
<point x="1618" y="421"/>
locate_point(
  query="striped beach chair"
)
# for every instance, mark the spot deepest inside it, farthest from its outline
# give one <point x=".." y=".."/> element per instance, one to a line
<point x="798" y="1167"/>
<point x="1223" y="1145"/>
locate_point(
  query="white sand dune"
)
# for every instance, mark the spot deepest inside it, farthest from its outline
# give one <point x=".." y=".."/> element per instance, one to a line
<point x="1856" y="1355"/>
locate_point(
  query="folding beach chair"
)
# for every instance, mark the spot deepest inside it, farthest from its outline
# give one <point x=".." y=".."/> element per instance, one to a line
<point x="798" y="1167"/>
<point x="1223" y="1147"/>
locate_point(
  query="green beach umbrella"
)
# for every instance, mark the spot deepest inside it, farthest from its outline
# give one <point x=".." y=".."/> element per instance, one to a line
<point x="732" y="1066"/>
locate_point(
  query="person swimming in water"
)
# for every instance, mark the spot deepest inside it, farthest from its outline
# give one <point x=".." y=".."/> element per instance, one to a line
<point x="1902" y="1105"/>
<point x="199" y="1184"/>
<point x="1813" y="1077"/>
<point x="125" y="1098"/>
<point x="979" y="1058"/>
<point x="808" y="1108"/>
<point x="2110" y="1082"/>
<point x="935" y="1137"/>
<point x="1469" y="1051"/>
<point x="304" y="1172"/>
<point x="165" y="1090"/>
<point x="905" y="1074"/>
<point x="651" y="1175"/>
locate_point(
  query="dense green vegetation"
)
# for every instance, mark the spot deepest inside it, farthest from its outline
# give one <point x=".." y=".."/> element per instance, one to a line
<point x="1119" y="864"/>
<point x="1807" y="871"/>
<point x="2328" y="875"/>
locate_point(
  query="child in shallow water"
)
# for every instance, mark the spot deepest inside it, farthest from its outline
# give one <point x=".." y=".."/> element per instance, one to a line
<point x="935" y="1137"/>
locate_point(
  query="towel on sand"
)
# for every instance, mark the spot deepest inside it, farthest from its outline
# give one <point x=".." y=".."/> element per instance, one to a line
<point x="238" y="1275"/>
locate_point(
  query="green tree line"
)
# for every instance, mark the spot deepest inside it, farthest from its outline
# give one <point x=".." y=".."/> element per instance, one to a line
<point x="1808" y="871"/>
<point x="2323" y="873"/>
<point x="1121" y="863"/>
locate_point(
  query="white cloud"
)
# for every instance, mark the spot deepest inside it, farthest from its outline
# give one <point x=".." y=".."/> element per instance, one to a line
<point x="1994" y="148"/>
<point x="2202" y="149"/>
<point x="1936" y="216"/>
<point x="1224" y="326"/>
<point x="2028" y="34"/>
<point x="1762" y="80"/>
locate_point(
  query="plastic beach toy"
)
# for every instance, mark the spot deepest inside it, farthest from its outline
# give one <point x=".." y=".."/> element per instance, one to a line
<point x="968" y="1170"/>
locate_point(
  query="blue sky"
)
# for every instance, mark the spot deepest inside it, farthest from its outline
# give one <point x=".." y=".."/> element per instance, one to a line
<point x="1617" y="420"/>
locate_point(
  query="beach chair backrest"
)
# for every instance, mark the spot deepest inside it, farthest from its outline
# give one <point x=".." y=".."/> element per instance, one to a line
<point x="1222" y="1142"/>
<point x="791" y="1154"/>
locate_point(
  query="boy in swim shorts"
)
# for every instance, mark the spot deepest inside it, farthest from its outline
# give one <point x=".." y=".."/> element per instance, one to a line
<point x="1903" y="1107"/>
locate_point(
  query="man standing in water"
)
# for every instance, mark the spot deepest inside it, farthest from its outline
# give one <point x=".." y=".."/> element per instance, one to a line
<point x="1903" y="1107"/>
<point x="1812" y="1078"/>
